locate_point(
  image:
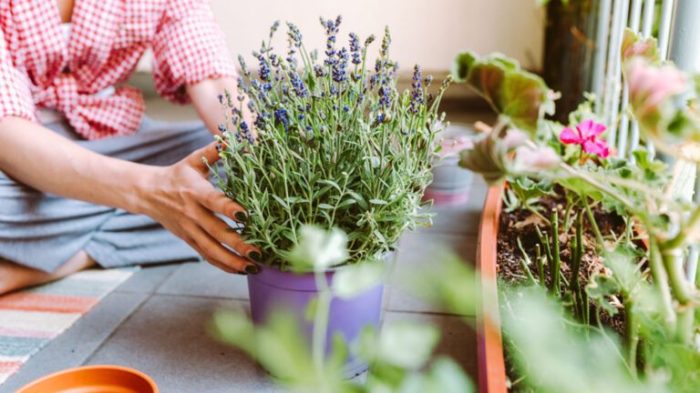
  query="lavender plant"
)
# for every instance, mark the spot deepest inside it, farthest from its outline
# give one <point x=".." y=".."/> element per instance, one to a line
<point x="333" y="143"/>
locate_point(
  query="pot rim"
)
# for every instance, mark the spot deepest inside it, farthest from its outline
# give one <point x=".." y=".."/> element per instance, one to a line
<point x="300" y="281"/>
<point x="492" y="371"/>
<point x="49" y="381"/>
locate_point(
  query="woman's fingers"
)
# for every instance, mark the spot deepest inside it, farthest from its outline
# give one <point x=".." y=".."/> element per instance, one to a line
<point x="198" y="205"/>
<point x="218" y="202"/>
<point x="221" y="232"/>
<point x="218" y="255"/>
<point x="208" y="153"/>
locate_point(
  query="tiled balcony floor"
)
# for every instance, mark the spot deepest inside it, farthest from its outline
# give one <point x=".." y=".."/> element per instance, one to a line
<point x="156" y="321"/>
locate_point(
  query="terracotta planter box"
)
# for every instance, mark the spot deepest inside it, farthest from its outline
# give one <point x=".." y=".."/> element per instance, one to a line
<point x="492" y="370"/>
<point x="490" y="351"/>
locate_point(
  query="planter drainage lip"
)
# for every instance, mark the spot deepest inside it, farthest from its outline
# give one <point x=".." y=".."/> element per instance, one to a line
<point x="300" y="282"/>
<point x="492" y="371"/>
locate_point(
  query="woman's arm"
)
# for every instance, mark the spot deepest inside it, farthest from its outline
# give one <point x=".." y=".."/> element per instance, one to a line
<point x="178" y="196"/>
<point x="205" y="98"/>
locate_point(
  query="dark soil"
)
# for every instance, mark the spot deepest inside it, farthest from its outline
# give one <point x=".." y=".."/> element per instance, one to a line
<point x="521" y="224"/>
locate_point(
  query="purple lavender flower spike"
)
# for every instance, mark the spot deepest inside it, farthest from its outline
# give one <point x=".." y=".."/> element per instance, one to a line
<point x="245" y="130"/>
<point x="282" y="117"/>
<point x="355" y="48"/>
<point x="264" y="71"/>
<point x="273" y="28"/>
<point x="294" y="34"/>
<point x="417" y="98"/>
<point x="386" y="42"/>
<point x="298" y="84"/>
<point x="339" y="68"/>
<point x="384" y="96"/>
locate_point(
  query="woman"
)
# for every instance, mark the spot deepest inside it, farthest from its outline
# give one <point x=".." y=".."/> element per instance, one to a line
<point x="85" y="179"/>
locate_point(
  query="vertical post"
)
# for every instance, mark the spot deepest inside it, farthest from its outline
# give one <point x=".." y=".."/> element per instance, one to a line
<point x="646" y="26"/>
<point x="665" y="27"/>
<point x="683" y="50"/>
<point x="623" y="138"/>
<point x="635" y="15"/>
<point x="685" y="35"/>
<point x="601" y="43"/>
<point x="612" y="77"/>
<point x="648" y="18"/>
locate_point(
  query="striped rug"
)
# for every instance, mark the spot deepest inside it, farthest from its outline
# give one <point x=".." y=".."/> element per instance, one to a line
<point x="29" y="319"/>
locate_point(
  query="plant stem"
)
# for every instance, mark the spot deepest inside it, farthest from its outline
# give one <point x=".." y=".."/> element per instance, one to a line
<point x="679" y="240"/>
<point x="686" y="320"/>
<point x="658" y="272"/>
<point x="567" y="211"/>
<point x="600" y="186"/>
<point x="524" y="262"/>
<point x="320" y="327"/>
<point x="586" y="307"/>
<point x="544" y="240"/>
<point x="631" y="334"/>
<point x="576" y="254"/>
<point x="540" y="263"/>
<point x="536" y="213"/>
<point x="673" y="262"/>
<point x="556" y="265"/>
<point x="594" y="225"/>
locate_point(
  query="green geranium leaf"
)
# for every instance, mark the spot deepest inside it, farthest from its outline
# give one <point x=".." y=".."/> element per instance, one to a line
<point x="600" y="288"/>
<point x="524" y="100"/>
<point x="352" y="280"/>
<point x="446" y="376"/>
<point x="487" y="158"/>
<point x="406" y="345"/>
<point x="318" y="249"/>
<point x="234" y="328"/>
<point x="557" y="357"/>
<point x="625" y="271"/>
<point x="460" y="67"/>
<point x="519" y="96"/>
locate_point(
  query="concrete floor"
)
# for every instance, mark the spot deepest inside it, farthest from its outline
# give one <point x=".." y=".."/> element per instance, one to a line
<point x="156" y="321"/>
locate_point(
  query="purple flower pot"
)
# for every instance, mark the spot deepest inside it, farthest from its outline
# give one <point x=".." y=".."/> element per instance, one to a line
<point x="272" y="290"/>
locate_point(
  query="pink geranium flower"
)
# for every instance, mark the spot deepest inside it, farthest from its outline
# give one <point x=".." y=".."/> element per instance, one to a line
<point x="650" y="86"/>
<point x="586" y="135"/>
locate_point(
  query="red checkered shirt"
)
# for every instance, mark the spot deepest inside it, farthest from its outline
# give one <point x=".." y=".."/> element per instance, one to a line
<point x="108" y="37"/>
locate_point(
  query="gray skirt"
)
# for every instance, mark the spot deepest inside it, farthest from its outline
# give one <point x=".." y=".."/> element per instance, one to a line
<point x="44" y="231"/>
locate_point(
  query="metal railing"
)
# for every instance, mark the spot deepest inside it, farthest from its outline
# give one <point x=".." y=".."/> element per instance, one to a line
<point x="611" y="95"/>
<point x="678" y="35"/>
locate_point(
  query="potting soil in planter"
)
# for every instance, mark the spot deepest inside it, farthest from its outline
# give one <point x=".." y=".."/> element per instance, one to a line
<point x="521" y="224"/>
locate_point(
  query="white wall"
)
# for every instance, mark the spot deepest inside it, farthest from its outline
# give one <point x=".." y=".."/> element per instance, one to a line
<point x="424" y="32"/>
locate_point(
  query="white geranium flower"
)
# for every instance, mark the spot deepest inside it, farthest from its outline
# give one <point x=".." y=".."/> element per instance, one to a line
<point x="541" y="158"/>
<point x="319" y="249"/>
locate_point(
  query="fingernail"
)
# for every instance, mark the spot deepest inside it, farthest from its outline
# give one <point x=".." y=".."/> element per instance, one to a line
<point x="241" y="217"/>
<point x="254" y="255"/>
<point x="252" y="269"/>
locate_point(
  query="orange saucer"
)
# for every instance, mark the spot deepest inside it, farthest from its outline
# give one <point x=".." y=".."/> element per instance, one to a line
<point x="93" y="379"/>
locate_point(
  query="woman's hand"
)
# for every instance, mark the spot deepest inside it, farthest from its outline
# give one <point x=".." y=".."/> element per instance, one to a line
<point x="181" y="198"/>
<point x="178" y="196"/>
